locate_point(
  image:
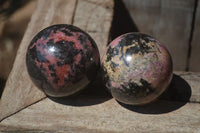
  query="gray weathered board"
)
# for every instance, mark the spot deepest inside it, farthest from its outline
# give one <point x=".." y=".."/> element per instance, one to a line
<point x="169" y="21"/>
<point x="23" y="108"/>
<point x="195" y="46"/>
<point x="97" y="113"/>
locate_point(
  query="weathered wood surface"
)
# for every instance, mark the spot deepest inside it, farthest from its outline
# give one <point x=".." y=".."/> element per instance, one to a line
<point x="195" y="45"/>
<point x="95" y="17"/>
<point x="177" y="110"/>
<point x="167" y="20"/>
<point x="19" y="91"/>
<point x="107" y="116"/>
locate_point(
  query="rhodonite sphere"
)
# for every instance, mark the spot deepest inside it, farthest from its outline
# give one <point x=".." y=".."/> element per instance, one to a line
<point x="136" y="68"/>
<point x="62" y="59"/>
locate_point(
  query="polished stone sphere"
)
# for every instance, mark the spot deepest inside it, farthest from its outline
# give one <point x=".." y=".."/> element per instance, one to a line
<point x="136" y="68"/>
<point x="62" y="59"/>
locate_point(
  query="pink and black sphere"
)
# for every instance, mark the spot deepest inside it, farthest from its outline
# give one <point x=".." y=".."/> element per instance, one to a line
<point x="62" y="59"/>
<point x="136" y="68"/>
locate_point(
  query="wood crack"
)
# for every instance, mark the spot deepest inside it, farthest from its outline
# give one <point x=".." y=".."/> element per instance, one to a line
<point x="21" y="109"/>
<point x="191" y="35"/>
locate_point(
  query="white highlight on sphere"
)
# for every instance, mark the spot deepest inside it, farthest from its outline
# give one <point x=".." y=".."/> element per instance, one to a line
<point x="128" y="58"/>
<point x="52" y="49"/>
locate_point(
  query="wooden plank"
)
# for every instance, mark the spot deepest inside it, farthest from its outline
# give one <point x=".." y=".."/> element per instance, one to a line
<point x="19" y="91"/>
<point x="99" y="17"/>
<point x="167" y="20"/>
<point x="194" y="64"/>
<point x="97" y="112"/>
<point x="109" y="116"/>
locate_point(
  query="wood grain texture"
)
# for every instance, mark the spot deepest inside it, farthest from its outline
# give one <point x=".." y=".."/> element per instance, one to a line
<point x="95" y="19"/>
<point x="99" y="113"/>
<point x="109" y="116"/>
<point x="194" y="64"/>
<point x="19" y="91"/>
<point x="167" y="20"/>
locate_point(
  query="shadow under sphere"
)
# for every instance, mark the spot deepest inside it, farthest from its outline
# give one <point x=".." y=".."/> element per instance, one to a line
<point x="176" y="96"/>
<point x="94" y="93"/>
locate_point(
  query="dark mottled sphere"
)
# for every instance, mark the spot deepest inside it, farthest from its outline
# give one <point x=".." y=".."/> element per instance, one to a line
<point x="62" y="59"/>
<point x="136" y="68"/>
